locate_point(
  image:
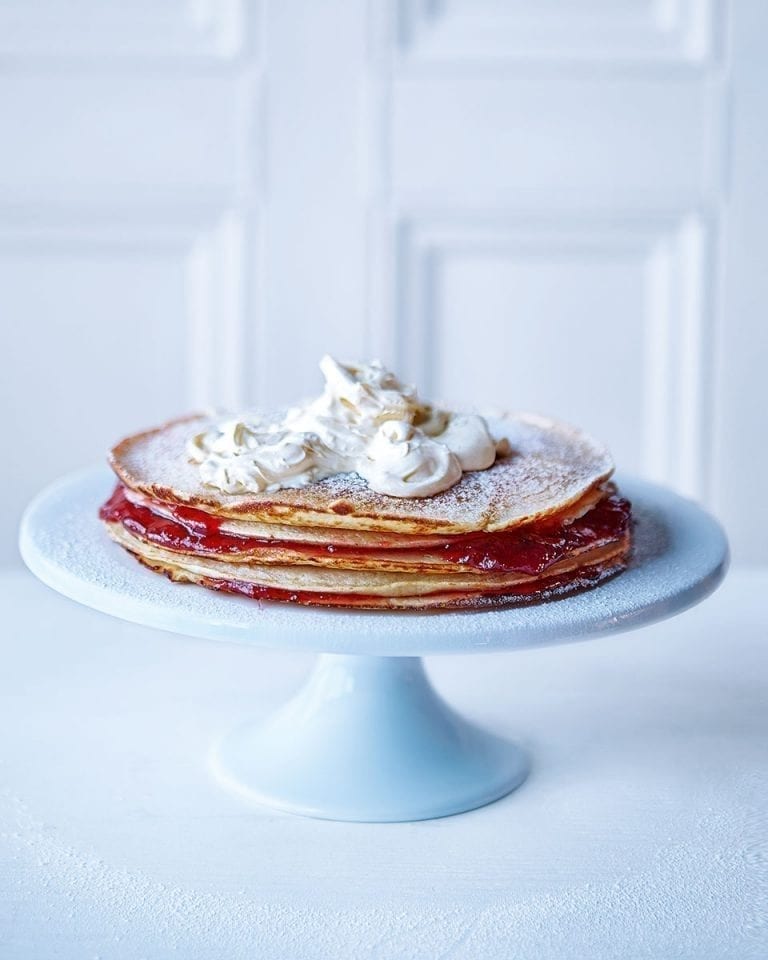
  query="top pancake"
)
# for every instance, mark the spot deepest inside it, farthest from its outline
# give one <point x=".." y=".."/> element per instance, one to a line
<point x="552" y="465"/>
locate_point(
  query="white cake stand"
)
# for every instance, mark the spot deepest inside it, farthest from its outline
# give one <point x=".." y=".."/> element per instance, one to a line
<point x="368" y="738"/>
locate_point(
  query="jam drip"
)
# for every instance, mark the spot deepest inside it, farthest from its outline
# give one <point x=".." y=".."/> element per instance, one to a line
<point x="530" y="549"/>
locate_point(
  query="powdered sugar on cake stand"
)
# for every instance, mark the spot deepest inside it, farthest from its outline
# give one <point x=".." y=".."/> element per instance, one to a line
<point x="368" y="738"/>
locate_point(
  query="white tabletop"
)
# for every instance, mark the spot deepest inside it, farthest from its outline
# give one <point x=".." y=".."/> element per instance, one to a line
<point x="640" y="832"/>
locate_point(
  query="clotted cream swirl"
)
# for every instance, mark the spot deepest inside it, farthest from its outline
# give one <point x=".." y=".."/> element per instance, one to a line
<point x="365" y="421"/>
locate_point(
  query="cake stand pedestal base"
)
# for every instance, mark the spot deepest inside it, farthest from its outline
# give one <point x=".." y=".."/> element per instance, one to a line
<point x="368" y="739"/>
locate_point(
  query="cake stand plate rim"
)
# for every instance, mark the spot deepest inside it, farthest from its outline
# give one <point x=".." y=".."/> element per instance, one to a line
<point x="680" y="556"/>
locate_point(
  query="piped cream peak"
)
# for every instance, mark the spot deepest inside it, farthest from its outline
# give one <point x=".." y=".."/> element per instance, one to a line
<point x="365" y="421"/>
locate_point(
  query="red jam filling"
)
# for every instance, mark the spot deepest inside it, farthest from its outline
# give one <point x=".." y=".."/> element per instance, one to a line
<point x="530" y="549"/>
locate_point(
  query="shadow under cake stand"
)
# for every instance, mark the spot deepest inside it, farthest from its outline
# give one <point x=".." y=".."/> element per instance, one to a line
<point x="368" y="738"/>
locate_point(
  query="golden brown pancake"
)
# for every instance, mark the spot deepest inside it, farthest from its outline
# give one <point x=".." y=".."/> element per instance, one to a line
<point x="281" y="543"/>
<point x="551" y="466"/>
<point x="368" y="582"/>
<point x="541" y="522"/>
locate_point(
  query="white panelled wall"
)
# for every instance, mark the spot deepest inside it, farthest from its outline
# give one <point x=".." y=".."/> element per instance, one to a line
<point x="558" y="207"/>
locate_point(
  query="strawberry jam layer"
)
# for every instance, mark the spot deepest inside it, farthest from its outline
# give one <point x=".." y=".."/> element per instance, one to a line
<point x="530" y="549"/>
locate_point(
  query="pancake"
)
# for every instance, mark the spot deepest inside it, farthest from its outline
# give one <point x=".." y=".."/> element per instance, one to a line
<point x="542" y="521"/>
<point x="550" y="467"/>
<point x="551" y="588"/>
<point x="349" y="580"/>
<point x="374" y="589"/>
<point x="337" y="536"/>
<point x="597" y="521"/>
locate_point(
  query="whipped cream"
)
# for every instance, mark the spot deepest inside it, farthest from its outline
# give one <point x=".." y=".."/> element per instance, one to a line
<point x="365" y="422"/>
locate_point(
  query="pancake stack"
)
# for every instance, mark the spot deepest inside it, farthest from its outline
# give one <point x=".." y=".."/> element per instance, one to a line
<point x="543" y="521"/>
